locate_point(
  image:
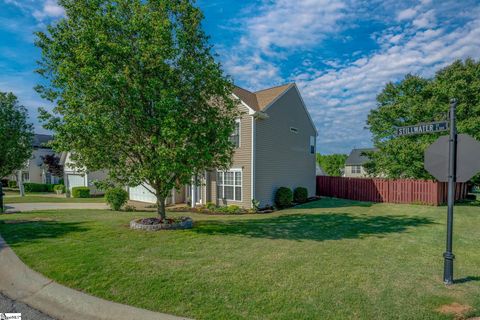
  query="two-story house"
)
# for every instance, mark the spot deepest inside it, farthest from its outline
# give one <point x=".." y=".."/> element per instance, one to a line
<point x="354" y="165"/>
<point x="35" y="170"/>
<point x="275" y="142"/>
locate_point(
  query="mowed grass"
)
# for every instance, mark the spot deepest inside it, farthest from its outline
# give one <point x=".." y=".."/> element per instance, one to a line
<point x="36" y="198"/>
<point x="331" y="259"/>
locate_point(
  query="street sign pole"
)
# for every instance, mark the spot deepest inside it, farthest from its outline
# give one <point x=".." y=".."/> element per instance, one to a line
<point x="452" y="150"/>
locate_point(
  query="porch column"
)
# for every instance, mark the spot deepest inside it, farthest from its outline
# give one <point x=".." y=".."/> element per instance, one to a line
<point x="194" y="192"/>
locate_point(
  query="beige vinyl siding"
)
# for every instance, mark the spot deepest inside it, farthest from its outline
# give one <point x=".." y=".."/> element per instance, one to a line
<point x="283" y="158"/>
<point x="348" y="172"/>
<point x="242" y="159"/>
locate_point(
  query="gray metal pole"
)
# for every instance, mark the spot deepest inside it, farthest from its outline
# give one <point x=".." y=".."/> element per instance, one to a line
<point x="452" y="168"/>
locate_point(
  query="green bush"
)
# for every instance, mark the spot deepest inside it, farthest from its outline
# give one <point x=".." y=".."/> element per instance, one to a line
<point x="300" y="195"/>
<point x="116" y="198"/>
<point x="283" y="197"/>
<point x="211" y="206"/>
<point x="35" y="187"/>
<point x="231" y="209"/>
<point x="80" y="192"/>
<point x="59" y="188"/>
<point x="12" y="184"/>
<point x="50" y="187"/>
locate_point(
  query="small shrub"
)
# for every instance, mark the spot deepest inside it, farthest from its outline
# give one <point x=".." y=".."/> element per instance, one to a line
<point x="12" y="184"/>
<point x="231" y="209"/>
<point x="283" y="197"/>
<point x="300" y="195"/>
<point x="59" y="188"/>
<point x="130" y="208"/>
<point x="255" y="204"/>
<point x="80" y="192"/>
<point x="116" y="198"/>
<point x="35" y="187"/>
<point x="211" y="206"/>
<point x="50" y="187"/>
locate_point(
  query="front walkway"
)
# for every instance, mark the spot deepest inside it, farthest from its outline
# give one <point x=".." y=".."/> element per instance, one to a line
<point x="22" y="207"/>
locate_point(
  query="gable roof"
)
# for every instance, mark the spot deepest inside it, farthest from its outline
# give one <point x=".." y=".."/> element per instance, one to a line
<point x="40" y="140"/>
<point x="260" y="99"/>
<point x="357" y="158"/>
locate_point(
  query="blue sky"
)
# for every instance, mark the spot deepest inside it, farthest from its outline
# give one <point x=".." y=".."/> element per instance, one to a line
<point x="340" y="53"/>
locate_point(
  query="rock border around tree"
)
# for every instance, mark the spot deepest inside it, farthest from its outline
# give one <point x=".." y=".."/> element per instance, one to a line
<point x="156" y="224"/>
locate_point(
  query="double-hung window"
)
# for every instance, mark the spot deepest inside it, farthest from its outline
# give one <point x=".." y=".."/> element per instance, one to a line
<point x="356" y="169"/>
<point x="235" y="136"/>
<point x="229" y="185"/>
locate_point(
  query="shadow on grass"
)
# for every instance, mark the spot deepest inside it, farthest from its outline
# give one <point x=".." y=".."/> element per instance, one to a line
<point x="318" y="227"/>
<point x="24" y="231"/>
<point x="333" y="203"/>
<point x="467" y="279"/>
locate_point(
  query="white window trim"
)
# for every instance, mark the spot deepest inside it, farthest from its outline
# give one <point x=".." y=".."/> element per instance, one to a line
<point x="239" y="133"/>
<point x="241" y="185"/>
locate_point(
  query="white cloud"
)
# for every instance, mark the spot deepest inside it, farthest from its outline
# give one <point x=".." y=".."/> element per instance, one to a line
<point x="49" y="9"/>
<point x="406" y="14"/>
<point x="340" y="100"/>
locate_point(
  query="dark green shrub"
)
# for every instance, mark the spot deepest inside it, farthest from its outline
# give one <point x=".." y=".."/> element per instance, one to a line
<point x="116" y="198"/>
<point x="50" y="187"/>
<point x="283" y="197"/>
<point x="12" y="184"/>
<point x="211" y="206"/>
<point x="80" y="192"/>
<point x="300" y="195"/>
<point x="35" y="187"/>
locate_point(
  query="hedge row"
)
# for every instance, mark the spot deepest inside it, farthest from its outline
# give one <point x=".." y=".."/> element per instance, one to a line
<point x="38" y="187"/>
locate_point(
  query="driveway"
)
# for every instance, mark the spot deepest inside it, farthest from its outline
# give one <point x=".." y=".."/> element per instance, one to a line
<point x="22" y="207"/>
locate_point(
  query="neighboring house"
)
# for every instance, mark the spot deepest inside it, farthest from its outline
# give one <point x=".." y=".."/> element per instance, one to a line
<point x="78" y="177"/>
<point x="34" y="170"/>
<point x="319" y="170"/>
<point x="354" y="165"/>
<point x="275" y="142"/>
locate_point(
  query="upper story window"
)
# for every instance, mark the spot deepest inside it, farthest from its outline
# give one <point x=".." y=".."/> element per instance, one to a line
<point x="356" y="169"/>
<point x="235" y="136"/>
<point x="312" y="144"/>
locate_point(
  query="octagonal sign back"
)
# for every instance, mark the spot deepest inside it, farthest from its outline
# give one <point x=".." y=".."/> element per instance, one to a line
<point x="468" y="158"/>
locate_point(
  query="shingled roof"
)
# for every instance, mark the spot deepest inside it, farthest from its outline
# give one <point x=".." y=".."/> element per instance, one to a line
<point x="261" y="99"/>
<point x="357" y="157"/>
<point x="40" y="140"/>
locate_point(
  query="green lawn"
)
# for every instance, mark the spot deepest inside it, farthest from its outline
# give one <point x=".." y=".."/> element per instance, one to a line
<point x="331" y="259"/>
<point x="34" y="198"/>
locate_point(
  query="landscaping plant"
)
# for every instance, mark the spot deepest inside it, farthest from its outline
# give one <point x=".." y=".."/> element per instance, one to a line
<point x="12" y="184"/>
<point x="116" y="197"/>
<point x="138" y="91"/>
<point x="283" y="197"/>
<point x="300" y="195"/>
<point x="59" y="188"/>
<point x="81" y="192"/>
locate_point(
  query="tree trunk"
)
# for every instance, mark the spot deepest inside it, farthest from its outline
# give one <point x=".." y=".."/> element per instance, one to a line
<point x="161" y="207"/>
<point x="1" y="197"/>
<point x="20" y="184"/>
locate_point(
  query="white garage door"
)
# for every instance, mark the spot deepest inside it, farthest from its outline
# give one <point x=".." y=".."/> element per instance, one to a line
<point x="140" y="193"/>
<point x="75" y="180"/>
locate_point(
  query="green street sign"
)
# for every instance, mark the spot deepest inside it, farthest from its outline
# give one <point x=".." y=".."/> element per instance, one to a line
<point x="421" y="128"/>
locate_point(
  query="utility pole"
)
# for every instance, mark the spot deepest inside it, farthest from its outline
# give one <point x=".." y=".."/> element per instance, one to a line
<point x="452" y="168"/>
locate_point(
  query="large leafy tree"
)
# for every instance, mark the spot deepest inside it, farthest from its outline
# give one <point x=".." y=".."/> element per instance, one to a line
<point x="16" y="136"/>
<point x="415" y="100"/>
<point x="138" y="91"/>
<point x="332" y="164"/>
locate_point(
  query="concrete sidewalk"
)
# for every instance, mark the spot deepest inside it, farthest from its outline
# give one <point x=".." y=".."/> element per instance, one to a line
<point x="23" y="207"/>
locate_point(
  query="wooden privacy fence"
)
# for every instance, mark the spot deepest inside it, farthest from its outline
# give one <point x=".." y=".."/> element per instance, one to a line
<point x="384" y="190"/>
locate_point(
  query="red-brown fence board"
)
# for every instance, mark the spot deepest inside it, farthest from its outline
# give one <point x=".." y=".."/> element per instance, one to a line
<point x="385" y="190"/>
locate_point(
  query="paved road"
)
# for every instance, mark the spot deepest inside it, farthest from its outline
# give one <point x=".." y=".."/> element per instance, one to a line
<point x="21" y="207"/>
<point x="8" y="305"/>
